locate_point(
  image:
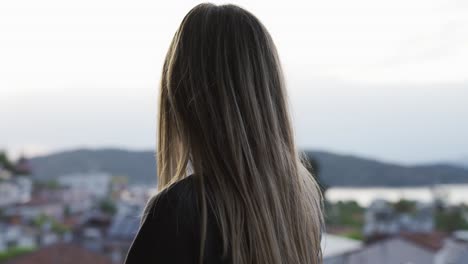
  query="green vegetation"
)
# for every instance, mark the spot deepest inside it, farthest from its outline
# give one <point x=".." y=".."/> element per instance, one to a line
<point x="344" y="214"/>
<point x="404" y="206"/>
<point x="451" y="219"/>
<point x="345" y="219"/>
<point x="59" y="228"/>
<point x="40" y="220"/>
<point x="55" y="226"/>
<point x="14" y="252"/>
<point x="5" y="162"/>
<point x="107" y="206"/>
<point x="67" y="211"/>
<point x="354" y="234"/>
<point x="3" y="158"/>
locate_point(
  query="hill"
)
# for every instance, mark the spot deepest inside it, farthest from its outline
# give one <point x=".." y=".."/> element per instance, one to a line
<point x="335" y="170"/>
<point x="138" y="166"/>
<point x="463" y="162"/>
<point x="347" y="170"/>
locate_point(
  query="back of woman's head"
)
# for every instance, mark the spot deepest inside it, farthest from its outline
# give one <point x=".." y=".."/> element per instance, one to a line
<point x="223" y="114"/>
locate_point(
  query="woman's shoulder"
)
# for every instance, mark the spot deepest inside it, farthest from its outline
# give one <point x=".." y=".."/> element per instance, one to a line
<point x="177" y="199"/>
<point x="168" y="227"/>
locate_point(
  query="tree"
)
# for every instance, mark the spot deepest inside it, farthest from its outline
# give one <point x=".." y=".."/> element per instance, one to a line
<point x="451" y="219"/>
<point x="5" y="162"/>
<point x="107" y="206"/>
<point x="404" y="206"/>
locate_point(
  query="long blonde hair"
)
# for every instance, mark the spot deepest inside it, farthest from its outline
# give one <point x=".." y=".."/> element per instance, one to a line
<point x="223" y="116"/>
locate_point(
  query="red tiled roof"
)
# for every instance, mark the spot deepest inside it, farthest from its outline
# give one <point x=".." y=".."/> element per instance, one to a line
<point x="61" y="254"/>
<point x="71" y="221"/>
<point x="432" y="241"/>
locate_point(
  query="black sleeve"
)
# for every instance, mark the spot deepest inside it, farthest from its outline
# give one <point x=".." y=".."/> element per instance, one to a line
<point x="166" y="233"/>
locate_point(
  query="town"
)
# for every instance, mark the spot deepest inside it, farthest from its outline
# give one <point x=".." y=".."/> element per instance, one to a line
<point x="92" y="217"/>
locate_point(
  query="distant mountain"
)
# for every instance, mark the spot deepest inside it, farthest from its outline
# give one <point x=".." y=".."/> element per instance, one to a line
<point x="463" y="162"/>
<point x="347" y="170"/>
<point x="335" y="170"/>
<point x="138" y="166"/>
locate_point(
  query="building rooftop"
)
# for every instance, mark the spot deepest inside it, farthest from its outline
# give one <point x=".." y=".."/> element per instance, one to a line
<point x="433" y="241"/>
<point x="61" y="254"/>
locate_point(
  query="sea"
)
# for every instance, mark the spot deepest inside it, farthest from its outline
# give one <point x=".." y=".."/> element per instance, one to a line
<point x="453" y="194"/>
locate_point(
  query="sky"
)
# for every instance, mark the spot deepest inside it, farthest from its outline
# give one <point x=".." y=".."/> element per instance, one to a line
<point x="379" y="79"/>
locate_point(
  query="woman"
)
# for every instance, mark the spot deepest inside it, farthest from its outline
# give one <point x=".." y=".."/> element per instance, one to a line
<point x="232" y="186"/>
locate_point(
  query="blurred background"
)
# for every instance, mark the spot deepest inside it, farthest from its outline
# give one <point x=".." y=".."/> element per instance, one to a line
<point x="378" y="92"/>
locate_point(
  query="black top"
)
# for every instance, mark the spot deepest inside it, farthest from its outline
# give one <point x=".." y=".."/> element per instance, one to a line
<point x="170" y="231"/>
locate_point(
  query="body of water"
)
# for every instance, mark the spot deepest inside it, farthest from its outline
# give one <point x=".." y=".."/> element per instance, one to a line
<point x="453" y="194"/>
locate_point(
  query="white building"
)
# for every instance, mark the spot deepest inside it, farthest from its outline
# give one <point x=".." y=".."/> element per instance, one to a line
<point x="382" y="219"/>
<point x="95" y="184"/>
<point x="5" y="174"/>
<point x="17" y="236"/>
<point x="15" y="190"/>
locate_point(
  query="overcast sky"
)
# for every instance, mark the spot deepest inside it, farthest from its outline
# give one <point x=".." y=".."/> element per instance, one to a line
<point x="381" y="79"/>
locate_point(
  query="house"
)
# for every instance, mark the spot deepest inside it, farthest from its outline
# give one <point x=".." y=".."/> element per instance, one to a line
<point x="17" y="236"/>
<point x="414" y="248"/>
<point x="49" y="238"/>
<point x="92" y="231"/>
<point x="22" y="166"/>
<point x="15" y="190"/>
<point x="381" y="219"/>
<point x="124" y="227"/>
<point x="403" y="248"/>
<point x="37" y="206"/>
<point x="9" y="193"/>
<point x="455" y="249"/>
<point x="75" y="200"/>
<point x="4" y="173"/>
